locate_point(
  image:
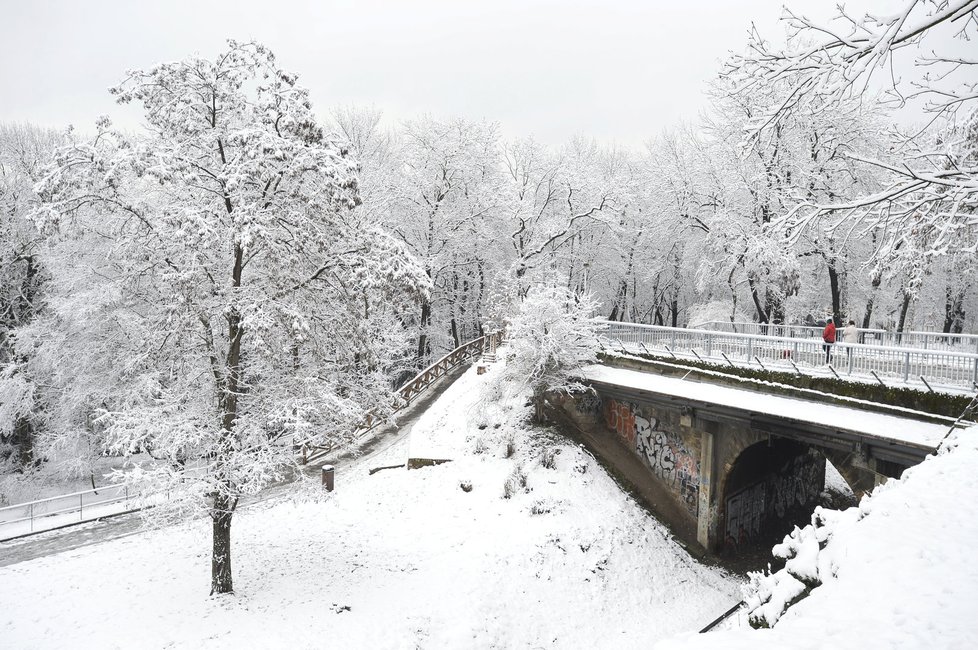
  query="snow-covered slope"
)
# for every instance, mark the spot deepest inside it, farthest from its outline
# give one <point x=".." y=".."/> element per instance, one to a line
<point x="897" y="572"/>
<point x="397" y="559"/>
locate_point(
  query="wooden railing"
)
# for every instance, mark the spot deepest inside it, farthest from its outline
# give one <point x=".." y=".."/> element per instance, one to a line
<point x="405" y="394"/>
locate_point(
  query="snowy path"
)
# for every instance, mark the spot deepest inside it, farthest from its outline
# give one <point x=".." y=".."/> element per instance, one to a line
<point x="397" y="559"/>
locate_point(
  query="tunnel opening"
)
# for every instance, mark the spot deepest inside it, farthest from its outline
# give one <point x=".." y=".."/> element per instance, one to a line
<point x="772" y="486"/>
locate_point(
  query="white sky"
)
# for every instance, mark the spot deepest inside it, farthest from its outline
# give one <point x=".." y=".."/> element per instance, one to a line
<point x="616" y="70"/>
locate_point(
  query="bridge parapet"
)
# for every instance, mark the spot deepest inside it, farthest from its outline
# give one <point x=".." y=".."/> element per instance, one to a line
<point x="927" y="368"/>
<point x="872" y="336"/>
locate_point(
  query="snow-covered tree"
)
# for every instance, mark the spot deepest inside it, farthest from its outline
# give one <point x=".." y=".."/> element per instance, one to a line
<point x="219" y="297"/>
<point x="679" y="197"/>
<point x="550" y="199"/>
<point x="551" y="335"/>
<point x="931" y="185"/>
<point x="443" y="201"/>
<point x="24" y="150"/>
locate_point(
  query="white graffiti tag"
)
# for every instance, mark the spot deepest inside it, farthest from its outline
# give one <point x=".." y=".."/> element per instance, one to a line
<point x="669" y="459"/>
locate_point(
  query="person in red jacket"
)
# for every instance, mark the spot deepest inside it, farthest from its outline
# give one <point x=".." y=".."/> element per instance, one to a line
<point x="828" y="335"/>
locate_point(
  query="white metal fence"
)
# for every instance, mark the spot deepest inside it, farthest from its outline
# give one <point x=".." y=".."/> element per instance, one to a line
<point x="64" y="509"/>
<point x="887" y="338"/>
<point x="938" y="367"/>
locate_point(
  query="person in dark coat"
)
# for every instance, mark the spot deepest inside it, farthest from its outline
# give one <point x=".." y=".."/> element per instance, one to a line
<point x="828" y="336"/>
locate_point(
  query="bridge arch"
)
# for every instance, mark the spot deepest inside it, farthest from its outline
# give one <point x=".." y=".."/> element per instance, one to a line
<point x="771" y="486"/>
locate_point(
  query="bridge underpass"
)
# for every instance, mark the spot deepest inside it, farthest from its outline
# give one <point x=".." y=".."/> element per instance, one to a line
<point x="732" y="469"/>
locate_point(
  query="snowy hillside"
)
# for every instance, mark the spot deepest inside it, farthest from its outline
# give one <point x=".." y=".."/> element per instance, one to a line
<point x="897" y="572"/>
<point x="397" y="559"/>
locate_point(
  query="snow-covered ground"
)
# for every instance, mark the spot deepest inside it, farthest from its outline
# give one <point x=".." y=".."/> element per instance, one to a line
<point x="898" y="571"/>
<point x="397" y="559"/>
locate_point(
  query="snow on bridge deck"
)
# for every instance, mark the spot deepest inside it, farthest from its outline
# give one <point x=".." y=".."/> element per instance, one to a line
<point x="889" y="428"/>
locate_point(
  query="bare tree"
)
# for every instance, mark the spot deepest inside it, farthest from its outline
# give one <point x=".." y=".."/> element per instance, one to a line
<point x="933" y="182"/>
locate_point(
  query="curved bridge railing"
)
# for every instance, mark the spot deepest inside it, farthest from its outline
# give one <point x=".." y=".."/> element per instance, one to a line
<point x="484" y="345"/>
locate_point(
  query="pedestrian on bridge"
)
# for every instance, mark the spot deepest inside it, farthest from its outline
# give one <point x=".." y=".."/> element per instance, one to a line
<point x="828" y="336"/>
<point x="850" y="336"/>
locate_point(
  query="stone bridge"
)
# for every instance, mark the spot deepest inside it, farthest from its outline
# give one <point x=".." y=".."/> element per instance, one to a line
<point x="733" y="464"/>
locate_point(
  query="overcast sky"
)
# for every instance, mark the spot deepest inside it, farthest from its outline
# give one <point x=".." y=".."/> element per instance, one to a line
<point x="616" y="70"/>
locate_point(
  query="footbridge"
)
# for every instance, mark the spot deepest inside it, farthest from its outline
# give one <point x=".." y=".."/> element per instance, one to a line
<point x="732" y="463"/>
<point x="932" y="362"/>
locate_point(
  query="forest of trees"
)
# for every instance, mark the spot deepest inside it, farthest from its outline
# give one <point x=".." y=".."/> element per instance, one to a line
<point x="243" y="270"/>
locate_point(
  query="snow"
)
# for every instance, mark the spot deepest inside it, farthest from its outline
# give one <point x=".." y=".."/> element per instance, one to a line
<point x="834" y="481"/>
<point x="878" y="425"/>
<point x="397" y="559"/>
<point x="897" y="572"/>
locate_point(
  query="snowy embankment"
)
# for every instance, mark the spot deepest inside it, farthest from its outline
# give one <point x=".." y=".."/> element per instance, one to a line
<point x="397" y="559"/>
<point x="898" y="571"/>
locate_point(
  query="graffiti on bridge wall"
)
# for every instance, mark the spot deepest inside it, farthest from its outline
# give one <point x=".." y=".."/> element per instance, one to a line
<point x="745" y="514"/>
<point x="663" y="451"/>
<point x="799" y="487"/>
<point x="796" y="484"/>
<point x="669" y="458"/>
<point x="620" y="418"/>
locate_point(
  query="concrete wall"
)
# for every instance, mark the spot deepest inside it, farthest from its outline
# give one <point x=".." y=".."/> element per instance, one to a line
<point x="668" y="449"/>
<point x="616" y="444"/>
<point x="718" y="484"/>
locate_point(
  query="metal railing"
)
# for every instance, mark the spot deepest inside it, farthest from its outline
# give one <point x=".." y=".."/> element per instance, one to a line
<point x="405" y="394"/>
<point x="64" y="509"/>
<point x="887" y="338"/>
<point x="910" y="365"/>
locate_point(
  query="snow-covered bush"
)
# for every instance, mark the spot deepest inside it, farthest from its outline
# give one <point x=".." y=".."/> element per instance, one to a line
<point x="810" y="561"/>
<point x="515" y="482"/>
<point x="549" y="457"/>
<point x="552" y="335"/>
<point x="814" y="553"/>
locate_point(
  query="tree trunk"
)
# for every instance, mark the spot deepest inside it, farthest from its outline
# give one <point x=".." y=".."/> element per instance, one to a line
<point x="423" y="345"/>
<point x="867" y="318"/>
<point x="23" y="441"/>
<point x="221" y="555"/>
<point x="223" y="506"/>
<point x="618" y="309"/>
<point x="479" y="295"/>
<point x="869" y="313"/>
<point x="836" y="293"/>
<point x="904" y="308"/>
<point x="953" y="311"/>
<point x="762" y="316"/>
<point x="455" y="336"/>
<point x="658" y="315"/>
